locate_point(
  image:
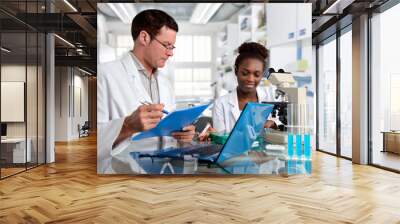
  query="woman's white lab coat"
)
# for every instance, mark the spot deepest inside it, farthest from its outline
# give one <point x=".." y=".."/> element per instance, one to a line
<point x="226" y="108"/>
<point x="119" y="93"/>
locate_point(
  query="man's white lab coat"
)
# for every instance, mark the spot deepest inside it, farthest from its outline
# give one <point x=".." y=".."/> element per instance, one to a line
<point x="119" y="93"/>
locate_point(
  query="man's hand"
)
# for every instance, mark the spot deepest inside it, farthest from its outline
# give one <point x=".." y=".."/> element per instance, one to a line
<point x="186" y="135"/>
<point x="143" y="118"/>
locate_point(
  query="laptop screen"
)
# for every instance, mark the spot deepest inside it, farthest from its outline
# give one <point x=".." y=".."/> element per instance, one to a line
<point x="3" y="129"/>
<point x="246" y="130"/>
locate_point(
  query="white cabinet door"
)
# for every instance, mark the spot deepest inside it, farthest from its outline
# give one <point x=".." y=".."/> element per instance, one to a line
<point x="304" y="22"/>
<point x="232" y="30"/>
<point x="281" y="23"/>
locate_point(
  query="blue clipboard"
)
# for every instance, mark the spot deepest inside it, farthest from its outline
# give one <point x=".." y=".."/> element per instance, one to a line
<point x="173" y="122"/>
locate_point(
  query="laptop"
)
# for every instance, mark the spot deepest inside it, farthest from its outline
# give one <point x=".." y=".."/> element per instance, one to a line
<point x="244" y="133"/>
<point x="3" y="131"/>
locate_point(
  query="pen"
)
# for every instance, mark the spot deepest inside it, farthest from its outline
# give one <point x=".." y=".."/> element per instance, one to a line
<point x="147" y="103"/>
<point x="205" y="129"/>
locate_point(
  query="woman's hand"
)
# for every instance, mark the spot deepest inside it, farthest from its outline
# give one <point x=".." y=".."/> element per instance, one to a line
<point x="270" y="124"/>
<point x="204" y="135"/>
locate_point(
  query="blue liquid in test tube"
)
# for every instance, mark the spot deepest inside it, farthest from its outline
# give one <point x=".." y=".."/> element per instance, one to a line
<point x="290" y="145"/>
<point x="307" y="147"/>
<point x="299" y="150"/>
<point x="290" y="167"/>
<point x="307" y="165"/>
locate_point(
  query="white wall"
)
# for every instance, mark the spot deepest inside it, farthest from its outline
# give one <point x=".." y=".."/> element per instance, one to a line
<point x="105" y="51"/>
<point x="80" y="83"/>
<point x="17" y="73"/>
<point x="33" y="126"/>
<point x="61" y="103"/>
<point x="14" y="73"/>
<point x="67" y="115"/>
<point x="284" y="56"/>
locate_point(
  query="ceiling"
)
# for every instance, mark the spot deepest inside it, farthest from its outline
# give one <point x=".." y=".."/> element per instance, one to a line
<point x="331" y="15"/>
<point x="181" y="12"/>
<point x="77" y="25"/>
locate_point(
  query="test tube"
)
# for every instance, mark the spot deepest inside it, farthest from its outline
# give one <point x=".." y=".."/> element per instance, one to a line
<point x="290" y="145"/>
<point x="308" y="166"/>
<point x="290" y="130"/>
<point x="297" y="120"/>
<point x="290" y="167"/>
<point x="290" y="118"/>
<point x="299" y="148"/>
<point x="307" y="146"/>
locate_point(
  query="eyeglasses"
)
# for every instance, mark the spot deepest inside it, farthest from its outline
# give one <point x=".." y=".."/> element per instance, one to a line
<point x="166" y="46"/>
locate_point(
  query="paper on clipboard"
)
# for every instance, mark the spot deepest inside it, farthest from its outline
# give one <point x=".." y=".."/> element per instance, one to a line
<point x="174" y="121"/>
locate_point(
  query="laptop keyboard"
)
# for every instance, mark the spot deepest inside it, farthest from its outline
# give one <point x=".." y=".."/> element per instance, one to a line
<point x="206" y="150"/>
<point x="202" y="150"/>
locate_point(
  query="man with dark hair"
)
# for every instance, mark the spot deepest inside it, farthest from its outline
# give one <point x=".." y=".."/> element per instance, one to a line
<point x="152" y="21"/>
<point x="123" y="86"/>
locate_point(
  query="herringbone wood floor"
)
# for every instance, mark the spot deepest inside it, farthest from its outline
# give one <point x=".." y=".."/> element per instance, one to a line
<point x="70" y="191"/>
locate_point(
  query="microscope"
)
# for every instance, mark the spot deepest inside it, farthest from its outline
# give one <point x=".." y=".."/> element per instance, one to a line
<point x="288" y="100"/>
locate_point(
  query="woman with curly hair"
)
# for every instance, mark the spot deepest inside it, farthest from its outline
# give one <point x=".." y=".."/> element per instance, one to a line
<point x="250" y="66"/>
